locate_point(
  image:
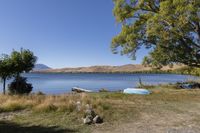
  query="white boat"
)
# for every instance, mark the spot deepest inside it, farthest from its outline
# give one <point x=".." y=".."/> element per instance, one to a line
<point x="136" y="91"/>
<point x="79" y="90"/>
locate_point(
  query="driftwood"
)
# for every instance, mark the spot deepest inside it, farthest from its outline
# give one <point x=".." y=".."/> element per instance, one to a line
<point x="80" y="90"/>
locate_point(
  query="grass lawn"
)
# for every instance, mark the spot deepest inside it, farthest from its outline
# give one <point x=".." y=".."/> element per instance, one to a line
<point x="166" y="109"/>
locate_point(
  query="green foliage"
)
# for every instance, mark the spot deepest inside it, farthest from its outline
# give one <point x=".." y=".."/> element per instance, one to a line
<point x="188" y="70"/>
<point x="5" y="67"/>
<point x="20" y="86"/>
<point x="170" y="28"/>
<point x="6" y="70"/>
<point x="23" y="61"/>
<point x="16" y="63"/>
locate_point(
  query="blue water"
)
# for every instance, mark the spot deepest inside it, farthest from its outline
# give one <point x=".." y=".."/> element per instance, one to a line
<point x="62" y="83"/>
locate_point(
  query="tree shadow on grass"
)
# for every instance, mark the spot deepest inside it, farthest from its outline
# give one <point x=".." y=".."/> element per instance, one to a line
<point x="8" y="127"/>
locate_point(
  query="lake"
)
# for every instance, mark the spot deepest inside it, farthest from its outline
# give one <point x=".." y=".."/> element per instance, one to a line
<point x="62" y="83"/>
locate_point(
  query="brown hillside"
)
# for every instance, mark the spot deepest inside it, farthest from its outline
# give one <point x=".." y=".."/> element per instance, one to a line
<point x="105" y="69"/>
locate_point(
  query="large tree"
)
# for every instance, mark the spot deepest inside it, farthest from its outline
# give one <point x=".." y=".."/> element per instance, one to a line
<point x="171" y="28"/>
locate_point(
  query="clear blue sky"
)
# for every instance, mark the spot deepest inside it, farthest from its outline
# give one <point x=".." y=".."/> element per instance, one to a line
<point x="62" y="33"/>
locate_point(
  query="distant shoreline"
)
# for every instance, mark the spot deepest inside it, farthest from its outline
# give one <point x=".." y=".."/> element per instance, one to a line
<point x="136" y="72"/>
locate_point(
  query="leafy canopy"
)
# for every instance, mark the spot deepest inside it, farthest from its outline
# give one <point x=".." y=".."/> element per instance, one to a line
<point x="23" y="61"/>
<point x="6" y="67"/>
<point x="171" y="28"/>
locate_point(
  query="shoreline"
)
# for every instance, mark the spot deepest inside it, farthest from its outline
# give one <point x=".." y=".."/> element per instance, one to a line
<point x="136" y="72"/>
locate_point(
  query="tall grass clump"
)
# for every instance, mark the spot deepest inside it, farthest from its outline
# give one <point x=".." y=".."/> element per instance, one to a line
<point x="53" y="103"/>
<point x="47" y="103"/>
<point x="10" y="106"/>
<point x="15" y="103"/>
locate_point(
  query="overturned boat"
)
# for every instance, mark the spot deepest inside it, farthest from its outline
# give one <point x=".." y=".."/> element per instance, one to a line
<point x="136" y="91"/>
<point x="80" y="90"/>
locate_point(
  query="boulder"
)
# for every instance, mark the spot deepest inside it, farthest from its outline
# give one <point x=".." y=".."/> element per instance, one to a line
<point x="88" y="119"/>
<point x="97" y="120"/>
<point x="90" y="112"/>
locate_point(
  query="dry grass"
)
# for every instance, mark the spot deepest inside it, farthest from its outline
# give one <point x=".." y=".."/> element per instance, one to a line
<point x="163" y="105"/>
<point x="48" y="103"/>
<point x="38" y="102"/>
<point x="99" y="101"/>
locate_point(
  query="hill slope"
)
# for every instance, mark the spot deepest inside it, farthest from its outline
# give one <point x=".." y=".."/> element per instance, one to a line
<point x="104" y="69"/>
<point x="40" y="67"/>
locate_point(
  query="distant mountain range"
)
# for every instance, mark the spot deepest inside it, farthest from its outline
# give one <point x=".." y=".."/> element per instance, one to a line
<point x="103" y="69"/>
<point x="41" y="67"/>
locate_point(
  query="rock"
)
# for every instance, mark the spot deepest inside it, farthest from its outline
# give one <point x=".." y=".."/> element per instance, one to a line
<point x="88" y="119"/>
<point x="97" y="119"/>
<point x="78" y="106"/>
<point x="91" y="117"/>
<point x="90" y="112"/>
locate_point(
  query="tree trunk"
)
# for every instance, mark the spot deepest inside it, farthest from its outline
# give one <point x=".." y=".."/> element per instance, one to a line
<point x="17" y="80"/>
<point x="4" y="86"/>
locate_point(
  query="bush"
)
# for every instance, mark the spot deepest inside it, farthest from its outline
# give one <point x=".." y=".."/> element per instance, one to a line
<point x="40" y="93"/>
<point x="20" y="86"/>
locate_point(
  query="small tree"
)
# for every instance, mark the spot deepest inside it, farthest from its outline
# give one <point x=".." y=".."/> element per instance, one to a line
<point x="6" y="70"/>
<point x="23" y="61"/>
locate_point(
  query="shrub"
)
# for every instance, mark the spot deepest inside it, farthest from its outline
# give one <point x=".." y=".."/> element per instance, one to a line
<point x="20" y="86"/>
<point x="40" y="93"/>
